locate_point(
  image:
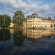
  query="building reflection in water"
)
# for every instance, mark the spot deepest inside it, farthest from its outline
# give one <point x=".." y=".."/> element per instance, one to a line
<point x="11" y="31"/>
<point x="34" y="35"/>
<point x="19" y="36"/>
<point x="27" y="42"/>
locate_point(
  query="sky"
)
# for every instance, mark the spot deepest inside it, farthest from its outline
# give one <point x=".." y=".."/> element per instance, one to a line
<point x="44" y="8"/>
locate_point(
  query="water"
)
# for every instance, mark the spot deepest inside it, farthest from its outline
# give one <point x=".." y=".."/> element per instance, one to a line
<point x="27" y="42"/>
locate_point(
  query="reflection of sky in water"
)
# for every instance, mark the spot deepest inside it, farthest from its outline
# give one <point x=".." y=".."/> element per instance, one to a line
<point x="41" y="46"/>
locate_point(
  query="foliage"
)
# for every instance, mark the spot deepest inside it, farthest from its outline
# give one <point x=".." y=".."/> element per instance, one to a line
<point x="18" y="37"/>
<point x="18" y="18"/>
<point x="5" y="35"/>
<point x="4" y="21"/>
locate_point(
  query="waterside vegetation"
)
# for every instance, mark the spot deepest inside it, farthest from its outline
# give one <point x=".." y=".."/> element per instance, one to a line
<point x="17" y="20"/>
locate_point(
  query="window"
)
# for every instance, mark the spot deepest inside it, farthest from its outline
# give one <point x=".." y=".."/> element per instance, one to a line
<point x="30" y="21"/>
<point x="54" y="25"/>
<point x="45" y="25"/>
<point x="51" y="25"/>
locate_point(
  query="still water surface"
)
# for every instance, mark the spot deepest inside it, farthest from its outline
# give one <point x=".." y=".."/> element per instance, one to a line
<point x="27" y="42"/>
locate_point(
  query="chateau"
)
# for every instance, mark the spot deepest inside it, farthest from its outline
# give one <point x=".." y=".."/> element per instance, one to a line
<point x="34" y="21"/>
<point x="11" y="25"/>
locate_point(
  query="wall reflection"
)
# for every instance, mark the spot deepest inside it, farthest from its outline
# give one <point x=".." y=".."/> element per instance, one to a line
<point x="38" y="34"/>
<point x="11" y="31"/>
<point x="19" y="36"/>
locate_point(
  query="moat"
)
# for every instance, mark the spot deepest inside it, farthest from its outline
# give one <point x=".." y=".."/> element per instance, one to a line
<point x="27" y="42"/>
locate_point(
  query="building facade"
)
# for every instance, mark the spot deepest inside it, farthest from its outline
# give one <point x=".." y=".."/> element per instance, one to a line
<point x="11" y="24"/>
<point x="34" y="21"/>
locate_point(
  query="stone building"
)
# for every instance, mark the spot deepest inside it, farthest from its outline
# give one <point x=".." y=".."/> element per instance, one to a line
<point x="11" y="24"/>
<point x="34" y="21"/>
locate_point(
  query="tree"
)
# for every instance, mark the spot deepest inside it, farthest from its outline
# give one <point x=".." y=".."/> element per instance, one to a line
<point x="4" y="21"/>
<point x="18" y="18"/>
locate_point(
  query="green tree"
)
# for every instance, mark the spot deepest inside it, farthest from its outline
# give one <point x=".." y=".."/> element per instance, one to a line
<point x="0" y="20"/>
<point x="4" y="21"/>
<point x="18" y="18"/>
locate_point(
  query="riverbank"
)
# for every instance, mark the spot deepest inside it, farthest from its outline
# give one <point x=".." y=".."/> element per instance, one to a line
<point x="41" y="28"/>
<point x="28" y="28"/>
<point x="7" y="28"/>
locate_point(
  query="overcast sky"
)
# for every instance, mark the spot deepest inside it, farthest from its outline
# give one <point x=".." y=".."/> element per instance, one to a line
<point x="42" y="7"/>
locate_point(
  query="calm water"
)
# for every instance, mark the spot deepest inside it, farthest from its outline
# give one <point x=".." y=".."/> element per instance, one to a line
<point x="27" y="42"/>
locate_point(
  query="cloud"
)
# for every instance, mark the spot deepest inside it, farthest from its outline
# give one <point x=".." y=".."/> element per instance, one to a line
<point x="27" y="8"/>
<point x="14" y="3"/>
<point x="28" y="0"/>
<point x="53" y="7"/>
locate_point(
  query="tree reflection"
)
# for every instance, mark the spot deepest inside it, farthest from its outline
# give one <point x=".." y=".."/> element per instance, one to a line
<point x="18" y="37"/>
<point x="4" y="35"/>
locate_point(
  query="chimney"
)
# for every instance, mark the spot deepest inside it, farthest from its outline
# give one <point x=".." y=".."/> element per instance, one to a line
<point x="32" y="13"/>
<point x="35" y="13"/>
<point x="48" y="17"/>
